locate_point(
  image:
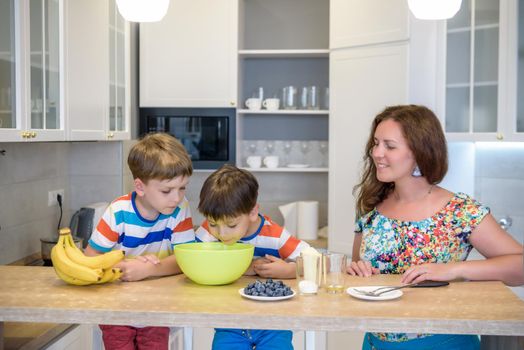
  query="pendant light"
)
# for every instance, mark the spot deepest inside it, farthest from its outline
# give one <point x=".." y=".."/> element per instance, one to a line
<point x="143" y="10"/>
<point x="434" y="9"/>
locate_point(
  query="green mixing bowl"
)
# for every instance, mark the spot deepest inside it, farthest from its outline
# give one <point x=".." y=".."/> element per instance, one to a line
<point x="214" y="263"/>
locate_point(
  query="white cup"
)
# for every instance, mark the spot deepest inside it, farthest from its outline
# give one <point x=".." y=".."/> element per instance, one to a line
<point x="271" y="104"/>
<point x="254" y="103"/>
<point x="254" y="162"/>
<point x="271" y="161"/>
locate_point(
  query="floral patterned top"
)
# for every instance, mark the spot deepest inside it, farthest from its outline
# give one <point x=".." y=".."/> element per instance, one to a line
<point x="392" y="245"/>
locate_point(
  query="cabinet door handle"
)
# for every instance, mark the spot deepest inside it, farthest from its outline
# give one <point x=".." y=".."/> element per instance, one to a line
<point x="500" y="136"/>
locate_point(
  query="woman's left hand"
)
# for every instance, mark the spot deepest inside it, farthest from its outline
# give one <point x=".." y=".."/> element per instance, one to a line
<point x="434" y="272"/>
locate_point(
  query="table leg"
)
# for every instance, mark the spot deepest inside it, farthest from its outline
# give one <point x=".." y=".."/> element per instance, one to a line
<point x="188" y="338"/>
<point x="315" y="340"/>
<point x="1" y="335"/>
<point x="494" y="342"/>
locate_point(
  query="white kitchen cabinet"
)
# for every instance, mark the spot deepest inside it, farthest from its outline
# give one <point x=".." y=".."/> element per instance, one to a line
<point x="357" y="22"/>
<point x="478" y="93"/>
<point x="189" y="59"/>
<point x="97" y="71"/>
<point x="364" y="80"/>
<point x="79" y="337"/>
<point x="55" y="81"/>
<point x="30" y="72"/>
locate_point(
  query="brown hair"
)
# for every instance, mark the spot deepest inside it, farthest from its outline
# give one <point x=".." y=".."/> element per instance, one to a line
<point x="159" y="156"/>
<point x="426" y="140"/>
<point x="227" y="193"/>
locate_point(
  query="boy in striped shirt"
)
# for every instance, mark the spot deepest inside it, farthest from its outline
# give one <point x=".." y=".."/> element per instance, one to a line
<point x="228" y="200"/>
<point x="147" y="223"/>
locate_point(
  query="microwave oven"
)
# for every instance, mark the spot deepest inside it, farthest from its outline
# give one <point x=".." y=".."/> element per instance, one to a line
<point x="208" y="134"/>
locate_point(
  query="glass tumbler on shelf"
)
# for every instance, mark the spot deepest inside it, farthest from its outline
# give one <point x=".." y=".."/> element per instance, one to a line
<point x="289" y="97"/>
<point x="313" y="100"/>
<point x="287" y="147"/>
<point x="323" y="148"/>
<point x="304" y="148"/>
<point x="304" y="98"/>
<point x="325" y="104"/>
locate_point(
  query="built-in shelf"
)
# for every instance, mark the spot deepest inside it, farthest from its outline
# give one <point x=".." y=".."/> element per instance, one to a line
<point x="284" y="53"/>
<point x="288" y="170"/>
<point x="476" y="84"/>
<point x="467" y="29"/>
<point x="285" y="111"/>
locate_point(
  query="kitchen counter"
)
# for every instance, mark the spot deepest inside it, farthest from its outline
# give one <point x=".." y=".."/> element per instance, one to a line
<point x="35" y="294"/>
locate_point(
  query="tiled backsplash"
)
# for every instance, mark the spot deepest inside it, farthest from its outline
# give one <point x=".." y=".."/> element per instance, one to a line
<point x="87" y="171"/>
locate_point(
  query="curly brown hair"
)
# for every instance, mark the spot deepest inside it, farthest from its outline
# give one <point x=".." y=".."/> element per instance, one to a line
<point x="159" y="156"/>
<point x="425" y="138"/>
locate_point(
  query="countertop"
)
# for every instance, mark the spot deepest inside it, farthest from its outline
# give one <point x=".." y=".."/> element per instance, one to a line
<point x="35" y="294"/>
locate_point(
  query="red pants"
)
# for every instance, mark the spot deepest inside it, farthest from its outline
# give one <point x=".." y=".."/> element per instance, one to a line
<point x="131" y="338"/>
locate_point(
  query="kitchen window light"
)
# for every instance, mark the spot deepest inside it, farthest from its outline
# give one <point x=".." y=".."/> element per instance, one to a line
<point x="434" y="9"/>
<point x="143" y="10"/>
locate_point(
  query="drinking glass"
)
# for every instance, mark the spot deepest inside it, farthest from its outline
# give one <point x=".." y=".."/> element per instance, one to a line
<point x="287" y="146"/>
<point x="270" y="147"/>
<point x="312" y="99"/>
<point x="304" y="148"/>
<point x="289" y="97"/>
<point x="323" y="148"/>
<point x="333" y="272"/>
<point x="304" y="98"/>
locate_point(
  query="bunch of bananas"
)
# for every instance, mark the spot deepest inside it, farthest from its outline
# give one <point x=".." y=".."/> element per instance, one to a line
<point x="74" y="267"/>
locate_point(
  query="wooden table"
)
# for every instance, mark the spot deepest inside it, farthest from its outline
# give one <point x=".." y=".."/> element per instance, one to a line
<point x="35" y="294"/>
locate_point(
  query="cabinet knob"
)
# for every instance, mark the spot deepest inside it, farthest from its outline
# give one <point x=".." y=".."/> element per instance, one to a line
<point x="33" y="134"/>
<point x="232" y="103"/>
<point x="111" y="135"/>
<point x="24" y="134"/>
<point x="500" y="136"/>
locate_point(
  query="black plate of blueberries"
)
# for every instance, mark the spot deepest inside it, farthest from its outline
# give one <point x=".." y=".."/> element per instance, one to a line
<point x="267" y="291"/>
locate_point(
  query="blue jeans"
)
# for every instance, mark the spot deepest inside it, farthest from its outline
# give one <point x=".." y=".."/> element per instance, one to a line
<point x="432" y="342"/>
<point x="249" y="339"/>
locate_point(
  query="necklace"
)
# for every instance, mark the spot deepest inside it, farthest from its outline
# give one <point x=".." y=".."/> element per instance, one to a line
<point x="397" y="197"/>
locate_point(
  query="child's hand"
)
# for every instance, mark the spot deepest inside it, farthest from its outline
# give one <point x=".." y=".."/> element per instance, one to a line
<point x="251" y="270"/>
<point x="135" y="269"/>
<point x="362" y="268"/>
<point x="153" y="259"/>
<point x="273" y="267"/>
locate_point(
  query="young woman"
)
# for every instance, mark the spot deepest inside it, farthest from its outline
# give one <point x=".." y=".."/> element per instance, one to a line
<point x="409" y="225"/>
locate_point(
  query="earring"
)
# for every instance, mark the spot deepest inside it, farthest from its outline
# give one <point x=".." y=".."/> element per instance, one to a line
<point x="416" y="172"/>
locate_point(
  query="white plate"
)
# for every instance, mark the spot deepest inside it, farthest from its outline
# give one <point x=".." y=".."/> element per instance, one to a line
<point x="253" y="297"/>
<point x="298" y="165"/>
<point x="394" y="294"/>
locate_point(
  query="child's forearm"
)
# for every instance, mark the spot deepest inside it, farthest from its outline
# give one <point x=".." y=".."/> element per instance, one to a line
<point x="166" y="267"/>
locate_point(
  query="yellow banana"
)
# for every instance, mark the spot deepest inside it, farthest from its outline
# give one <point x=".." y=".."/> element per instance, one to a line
<point x="71" y="280"/>
<point x="71" y="268"/>
<point x="102" y="261"/>
<point x="117" y="274"/>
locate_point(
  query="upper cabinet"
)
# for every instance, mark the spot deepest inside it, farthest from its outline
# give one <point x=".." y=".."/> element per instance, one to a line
<point x="357" y="22"/>
<point x="56" y="61"/>
<point x="480" y="55"/>
<point x="97" y="66"/>
<point x="30" y="71"/>
<point x="189" y="58"/>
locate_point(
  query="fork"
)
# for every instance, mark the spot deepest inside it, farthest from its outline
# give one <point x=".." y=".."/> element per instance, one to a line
<point x="381" y="290"/>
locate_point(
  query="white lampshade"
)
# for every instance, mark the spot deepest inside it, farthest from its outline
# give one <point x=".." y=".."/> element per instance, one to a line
<point x="143" y="10"/>
<point x="434" y="9"/>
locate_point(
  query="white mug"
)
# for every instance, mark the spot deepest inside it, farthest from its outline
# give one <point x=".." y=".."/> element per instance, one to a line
<point x="254" y="103"/>
<point x="271" y="104"/>
<point x="254" y="162"/>
<point x="271" y="161"/>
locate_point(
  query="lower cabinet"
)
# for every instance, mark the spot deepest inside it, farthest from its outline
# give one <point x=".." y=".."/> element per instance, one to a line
<point x="79" y="337"/>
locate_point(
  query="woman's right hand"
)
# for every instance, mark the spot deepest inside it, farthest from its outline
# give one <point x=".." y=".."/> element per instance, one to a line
<point x="362" y="268"/>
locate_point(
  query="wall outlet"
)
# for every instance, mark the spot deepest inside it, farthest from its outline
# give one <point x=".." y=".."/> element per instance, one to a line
<point x="51" y="197"/>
